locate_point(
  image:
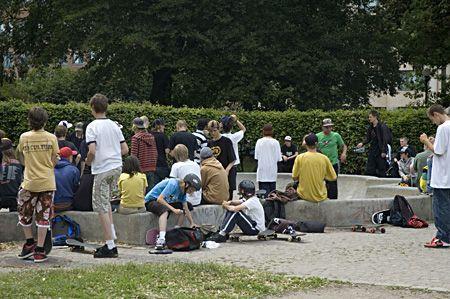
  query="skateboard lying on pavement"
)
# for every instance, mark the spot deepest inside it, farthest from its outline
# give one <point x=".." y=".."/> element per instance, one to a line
<point x="78" y="246"/>
<point x="161" y="251"/>
<point x="295" y="237"/>
<point x="381" y="217"/>
<point x="262" y="236"/>
<point x="368" y="229"/>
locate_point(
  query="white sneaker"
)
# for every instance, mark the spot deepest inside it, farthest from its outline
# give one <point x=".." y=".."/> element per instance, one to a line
<point x="160" y="244"/>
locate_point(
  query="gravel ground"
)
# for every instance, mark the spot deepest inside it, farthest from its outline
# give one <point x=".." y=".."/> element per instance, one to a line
<point x="375" y="264"/>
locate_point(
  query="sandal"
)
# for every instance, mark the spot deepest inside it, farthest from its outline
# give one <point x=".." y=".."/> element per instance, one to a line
<point x="436" y="243"/>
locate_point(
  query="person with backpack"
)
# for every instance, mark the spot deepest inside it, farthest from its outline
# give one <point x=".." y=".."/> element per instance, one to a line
<point x="143" y="147"/>
<point x="440" y="175"/>
<point x="247" y="213"/>
<point x="38" y="152"/>
<point x="380" y="138"/>
<point x="132" y="187"/>
<point x="11" y="176"/>
<point x="169" y="196"/>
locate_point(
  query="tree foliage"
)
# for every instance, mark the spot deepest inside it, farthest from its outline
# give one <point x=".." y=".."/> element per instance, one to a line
<point x="267" y="54"/>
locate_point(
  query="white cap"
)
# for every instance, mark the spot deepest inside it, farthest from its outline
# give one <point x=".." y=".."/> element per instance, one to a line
<point x="288" y="138"/>
<point x="66" y="124"/>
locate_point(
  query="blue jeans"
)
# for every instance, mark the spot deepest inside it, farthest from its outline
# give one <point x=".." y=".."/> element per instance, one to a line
<point x="150" y="180"/>
<point x="441" y="211"/>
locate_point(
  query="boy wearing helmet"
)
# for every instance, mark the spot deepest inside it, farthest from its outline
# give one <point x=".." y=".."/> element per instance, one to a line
<point x="247" y="213"/>
<point x="170" y="196"/>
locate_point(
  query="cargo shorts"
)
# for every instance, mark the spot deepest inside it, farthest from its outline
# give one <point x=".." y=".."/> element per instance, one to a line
<point x="105" y="188"/>
<point x="39" y="204"/>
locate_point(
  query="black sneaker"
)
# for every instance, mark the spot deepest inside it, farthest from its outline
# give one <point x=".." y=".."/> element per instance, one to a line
<point x="218" y="238"/>
<point x="27" y="251"/>
<point x="104" y="252"/>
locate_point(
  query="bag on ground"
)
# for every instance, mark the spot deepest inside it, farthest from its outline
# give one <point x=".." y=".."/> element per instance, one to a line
<point x="184" y="239"/>
<point x="402" y="214"/>
<point x="282" y="226"/>
<point x="310" y="226"/>
<point x="63" y="228"/>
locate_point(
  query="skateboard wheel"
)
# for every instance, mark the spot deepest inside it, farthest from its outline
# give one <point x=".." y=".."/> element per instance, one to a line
<point x="372" y="230"/>
<point x="382" y="230"/>
<point x="290" y="239"/>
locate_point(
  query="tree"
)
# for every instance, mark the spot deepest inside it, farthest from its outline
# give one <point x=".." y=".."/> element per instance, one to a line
<point x="263" y="54"/>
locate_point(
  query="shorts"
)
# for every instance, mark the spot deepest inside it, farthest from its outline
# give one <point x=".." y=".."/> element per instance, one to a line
<point x="38" y="203"/>
<point x="104" y="189"/>
<point x="159" y="209"/>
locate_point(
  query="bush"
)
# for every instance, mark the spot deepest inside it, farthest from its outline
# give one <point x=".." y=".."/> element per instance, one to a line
<point x="350" y="124"/>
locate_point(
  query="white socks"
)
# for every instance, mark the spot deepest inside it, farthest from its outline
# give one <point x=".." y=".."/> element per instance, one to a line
<point x="110" y="244"/>
<point x="162" y="235"/>
<point x="113" y="232"/>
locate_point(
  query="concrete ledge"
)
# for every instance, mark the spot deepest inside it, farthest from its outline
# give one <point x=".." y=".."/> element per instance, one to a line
<point x="342" y="213"/>
<point x="131" y="229"/>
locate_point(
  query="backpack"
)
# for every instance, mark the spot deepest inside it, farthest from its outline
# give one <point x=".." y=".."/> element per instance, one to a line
<point x="282" y="226"/>
<point x="63" y="228"/>
<point x="184" y="239"/>
<point x="401" y="212"/>
<point x="310" y="226"/>
<point x="273" y="209"/>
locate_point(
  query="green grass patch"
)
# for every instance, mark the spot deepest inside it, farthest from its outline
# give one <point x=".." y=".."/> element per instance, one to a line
<point x="159" y="280"/>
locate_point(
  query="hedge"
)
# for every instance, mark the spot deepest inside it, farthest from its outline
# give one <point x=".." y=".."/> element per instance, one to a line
<point x="351" y="124"/>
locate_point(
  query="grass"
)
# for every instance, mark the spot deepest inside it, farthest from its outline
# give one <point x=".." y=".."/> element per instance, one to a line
<point x="159" y="280"/>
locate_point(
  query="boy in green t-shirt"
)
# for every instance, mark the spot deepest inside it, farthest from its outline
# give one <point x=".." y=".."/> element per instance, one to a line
<point x="329" y="144"/>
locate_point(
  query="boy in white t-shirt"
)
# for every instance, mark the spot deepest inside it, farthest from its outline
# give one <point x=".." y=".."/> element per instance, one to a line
<point x="440" y="175"/>
<point x="247" y="214"/>
<point x="106" y="148"/>
<point x="268" y="154"/>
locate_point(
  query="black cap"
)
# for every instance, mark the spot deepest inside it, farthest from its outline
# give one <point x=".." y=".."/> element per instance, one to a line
<point x="311" y="139"/>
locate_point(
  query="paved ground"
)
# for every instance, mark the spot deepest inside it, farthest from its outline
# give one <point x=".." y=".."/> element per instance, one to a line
<point x="396" y="258"/>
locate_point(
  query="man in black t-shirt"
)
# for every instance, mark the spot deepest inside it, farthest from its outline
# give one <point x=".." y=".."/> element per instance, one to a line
<point x="162" y="147"/>
<point x="78" y="136"/>
<point x="223" y="151"/>
<point x="182" y="136"/>
<point x="289" y="152"/>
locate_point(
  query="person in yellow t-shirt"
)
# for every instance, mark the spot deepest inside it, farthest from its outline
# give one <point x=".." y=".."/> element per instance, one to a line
<point x="38" y="152"/>
<point x="132" y="185"/>
<point x="311" y="169"/>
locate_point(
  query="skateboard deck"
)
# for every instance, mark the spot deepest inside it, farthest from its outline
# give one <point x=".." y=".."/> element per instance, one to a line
<point x="381" y="217"/>
<point x="151" y="236"/>
<point x="73" y="242"/>
<point x="48" y="243"/>
<point x="368" y="229"/>
<point x="290" y="237"/>
<point x="262" y="236"/>
<point x="161" y="251"/>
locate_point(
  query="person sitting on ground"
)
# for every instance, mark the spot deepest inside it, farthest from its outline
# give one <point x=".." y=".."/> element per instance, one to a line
<point x="311" y="169"/>
<point x="247" y="213"/>
<point x="403" y="141"/>
<point x="67" y="180"/>
<point x="183" y="167"/>
<point x="143" y="147"/>
<point x="222" y="148"/>
<point x="268" y="154"/>
<point x="289" y="152"/>
<point x="420" y="162"/>
<point x="404" y="166"/>
<point x="60" y="133"/>
<point x="132" y="187"/>
<point x="182" y="136"/>
<point x="214" y="179"/>
<point x="169" y="196"/>
<point x="200" y="134"/>
<point x="11" y="176"/>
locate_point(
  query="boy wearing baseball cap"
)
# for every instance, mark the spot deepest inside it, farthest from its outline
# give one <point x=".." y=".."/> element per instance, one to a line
<point x="67" y="180"/>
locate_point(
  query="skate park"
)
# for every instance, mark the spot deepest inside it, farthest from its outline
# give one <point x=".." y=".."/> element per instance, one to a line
<point x="359" y="197"/>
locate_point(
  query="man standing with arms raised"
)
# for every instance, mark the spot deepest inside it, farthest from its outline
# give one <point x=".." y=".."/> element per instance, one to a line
<point x="329" y="144"/>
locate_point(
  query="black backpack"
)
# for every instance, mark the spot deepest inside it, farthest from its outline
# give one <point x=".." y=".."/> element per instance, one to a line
<point x="184" y="239"/>
<point x="401" y="212"/>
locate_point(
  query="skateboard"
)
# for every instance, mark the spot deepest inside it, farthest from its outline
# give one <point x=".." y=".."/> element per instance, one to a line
<point x="296" y="237"/>
<point x="161" y="251"/>
<point x="48" y="243"/>
<point x="78" y="246"/>
<point x="381" y="217"/>
<point x="151" y="236"/>
<point x="262" y="236"/>
<point x="371" y="229"/>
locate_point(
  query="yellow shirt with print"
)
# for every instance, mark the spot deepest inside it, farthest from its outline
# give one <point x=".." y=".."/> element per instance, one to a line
<point x="311" y="170"/>
<point x="132" y="190"/>
<point x="38" y="149"/>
